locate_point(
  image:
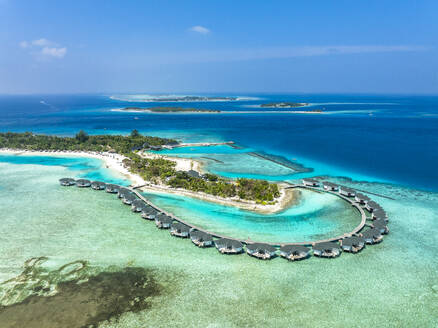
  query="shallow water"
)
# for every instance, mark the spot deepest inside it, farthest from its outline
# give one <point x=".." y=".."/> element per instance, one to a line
<point x="392" y="284"/>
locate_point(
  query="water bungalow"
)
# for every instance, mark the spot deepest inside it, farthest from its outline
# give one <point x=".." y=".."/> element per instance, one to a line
<point x="379" y="214"/>
<point x="372" y="206"/>
<point x="372" y="236"/>
<point x="330" y="186"/>
<point x="327" y="249"/>
<point x="228" y="246"/>
<point x="201" y="238"/>
<point x="128" y="199"/>
<point x="138" y="205"/>
<point x="149" y="213"/>
<point x="179" y="229"/>
<point x="362" y="199"/>
<point x="294" y="252"/>
<point x="381" y="226"/>
<point x="352" y="244"/>
<point x="123" y="191"/>
<point x="83" y="183"/>
<point x="163" y="221"/>
<point x="310" y="182"/>
<point x="97" y="185"/>
<point x="112" y="188"/>
<point x="348" y="192"/>
<point x="261" y="251"/>
<point x="67" y="182"/>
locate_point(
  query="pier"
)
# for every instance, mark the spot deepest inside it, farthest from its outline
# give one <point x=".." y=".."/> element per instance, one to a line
<point x="198" y="144"/>
<point x="356" y="232"/>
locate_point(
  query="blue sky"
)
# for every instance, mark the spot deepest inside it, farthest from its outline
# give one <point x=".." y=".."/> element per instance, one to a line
<point x="218" y="46"/>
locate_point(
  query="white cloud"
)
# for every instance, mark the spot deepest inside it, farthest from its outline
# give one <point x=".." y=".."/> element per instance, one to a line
<point x="54" y="52"/>
<point x="43" y="48"/>
<point x="199" y="29"/>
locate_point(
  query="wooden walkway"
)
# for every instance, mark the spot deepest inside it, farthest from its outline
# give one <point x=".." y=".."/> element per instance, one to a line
<point x="198" y="144"/>
<point x="356" y="230"/>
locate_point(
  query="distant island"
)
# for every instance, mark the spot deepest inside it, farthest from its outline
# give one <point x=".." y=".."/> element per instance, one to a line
<point x="283" y="105"/>
<point x="171" y="110"/>
<point x="191" y="98"/>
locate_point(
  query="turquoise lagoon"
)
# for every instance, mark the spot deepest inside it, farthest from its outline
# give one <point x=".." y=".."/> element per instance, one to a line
<point x="393" y="284"/>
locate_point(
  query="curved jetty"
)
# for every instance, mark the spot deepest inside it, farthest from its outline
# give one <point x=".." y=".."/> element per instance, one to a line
<point x="97" y="185"/>
<point x="229" y="246"/>
<point x="372" y="236"/>
<point x="179" y="229"/>
<point x="83" y="183"/>
<point x="294" y="252"/>
<point x="261" y="251"/>
<point x="67" y="182"/>
<point x="352" y="244"/>
<point x="327" y="249"/>
<point x="201" y="238"/>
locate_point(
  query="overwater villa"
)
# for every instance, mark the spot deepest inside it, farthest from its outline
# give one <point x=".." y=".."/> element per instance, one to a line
<point x="149" y="213"/>
<point x="228" y="246"/>
<point x="83" y="183"/>
<point x="123" y="191"/>
<point x="97" y="185"/>
<point x="348" y="192"/>
<point x="372" y="206"/>
<point x="379" y="214"/>
<point x="352" y="244"/>
<point x="310" y="182"/>
<point x="66" y="182"/>
<point x="128" y="199"/>
<point x="330" y="186"/>
<point x="372" y="236"/>
<point x="294" y="252"/>
<point x="361" y="198"/>
<point x="138" y="205"/>
<point x="261" y="251"/>
<point x="327" y="249"/>
<point x="179" y="229"/>
<point x="112" y="188"/>
<point x="201" y="238"/>
<point x="381" y="226"/>
<point x="163" y="221"/>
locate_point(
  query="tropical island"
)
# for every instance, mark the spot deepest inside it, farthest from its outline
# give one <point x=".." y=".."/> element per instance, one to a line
<point x="190" y="99"/>
<point x="155" y="170"/>
<point x="169" y="110"/>
<point x="283" y="105"/>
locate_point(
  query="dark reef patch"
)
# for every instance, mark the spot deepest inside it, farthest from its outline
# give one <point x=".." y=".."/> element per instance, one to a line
<point x="80" y="301"/>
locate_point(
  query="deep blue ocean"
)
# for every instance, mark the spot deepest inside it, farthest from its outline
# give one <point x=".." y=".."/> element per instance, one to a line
<point x="364" y="137"/>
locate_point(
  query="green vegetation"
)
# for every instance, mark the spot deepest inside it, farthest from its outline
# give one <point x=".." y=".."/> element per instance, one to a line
<point x="156" y="170"/>
<point x="172" y="110"/>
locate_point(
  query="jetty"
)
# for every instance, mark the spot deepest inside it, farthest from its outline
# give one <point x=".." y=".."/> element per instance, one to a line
<point x="198" y="144"/>
<point x="351" y="242"/>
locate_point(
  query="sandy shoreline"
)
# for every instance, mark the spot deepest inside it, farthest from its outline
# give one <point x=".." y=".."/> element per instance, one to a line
<point x="114" y="162"/>
<point x="146" y="111"/>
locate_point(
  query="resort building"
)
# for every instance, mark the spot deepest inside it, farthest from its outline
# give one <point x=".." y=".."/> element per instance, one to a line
<point x="229" y="246"/>
<point x="179" y="229"/>
<point x="379" y="214"/>
<point x="149" y="213"/>
<point x="123" y="191"/>
<point x="151" y="147"/>
<point x="372" y="206"/>
<point x="201" y="238"/>
<point x="372" y="236"/>
<point x="310" y="182"/>
<point x="362" y="199"/>
<point x="348" y="192"/>
<point x="128" y="199"/>
<point x="381" y="226"/>
<point x="163" y="221"/>
<point x="112" y="188"/>
<point x="97" y="185"/>
<point x="326" y="249"/>
<point x="261" y="251"/>
<point x="66" y="182"/>
<point x="138" y="205"/>
<point x="330" y="186"/>
<point x="83" y="183"/>
<point x="352" y="244"/>
<point x="193" y="174"/>
<point x="294" y="252"/>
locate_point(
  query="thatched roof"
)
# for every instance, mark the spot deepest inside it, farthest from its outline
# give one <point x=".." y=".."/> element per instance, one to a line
<point x="294" y="249"/>
<point x="180" y="227"/>
<point x="353" y="241"/>
<point x="326" y="246"/>
<point x="228" y="243"/>
<point x="261" y="248"/>
<point x="200" y="235"/>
